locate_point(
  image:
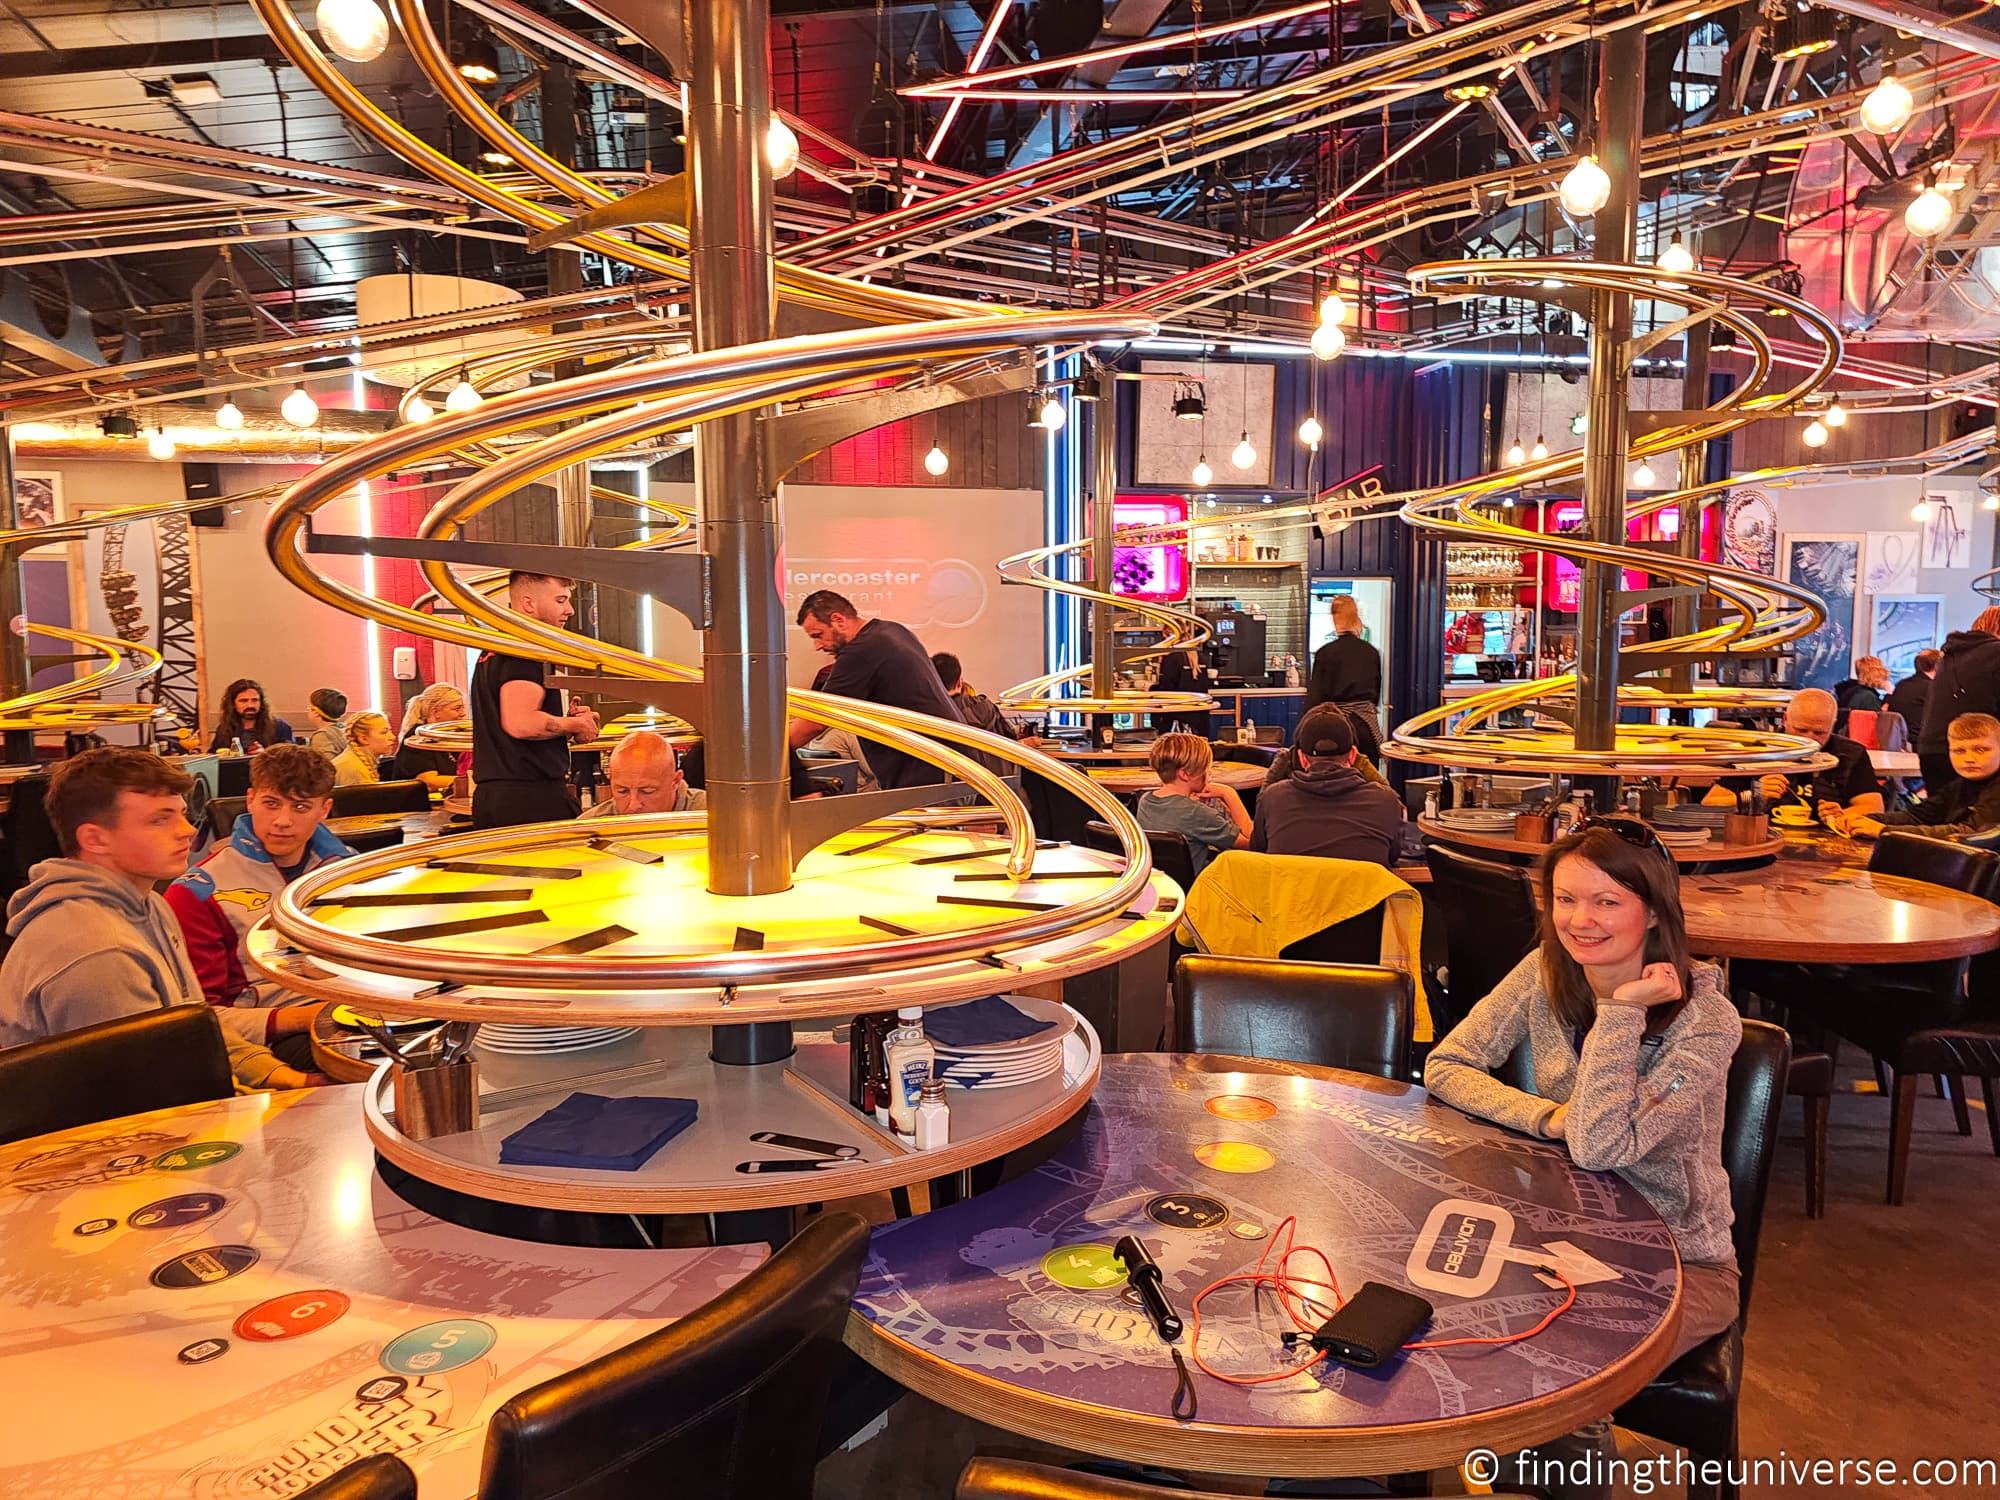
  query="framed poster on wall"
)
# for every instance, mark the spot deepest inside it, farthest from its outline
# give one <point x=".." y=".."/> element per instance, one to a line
<point x="1828" y="565"/>
<point x="1889" y="562"/>
<point x="1750" y="532"/>
<point x="1901" y="625"/>
<point x="37" y="497"/>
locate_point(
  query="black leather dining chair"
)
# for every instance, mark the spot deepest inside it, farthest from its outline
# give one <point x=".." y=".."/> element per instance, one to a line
<point x="154" y="1060"/>
<point x="26" y="831"/>
<point x="1171" y="855"/>
<point x="725" y="1403"/>
<point x="1491" y="923"/>
<point x="380" y="797"/>
<point x="1353" y="1016"/>
<point x="379" y="1476"/>
<point x="1692" y="1403"/>
<point x="222" y="813"/>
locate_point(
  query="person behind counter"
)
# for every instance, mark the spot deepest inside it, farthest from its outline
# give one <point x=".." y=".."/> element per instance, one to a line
<point x="1347" y="672"/>
<point x="246" y="722"/>
<point x="1183" y="672"/>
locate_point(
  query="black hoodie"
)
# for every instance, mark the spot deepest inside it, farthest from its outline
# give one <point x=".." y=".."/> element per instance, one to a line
<point x="1967" y="682"/>
<point x="1330" y="810"/>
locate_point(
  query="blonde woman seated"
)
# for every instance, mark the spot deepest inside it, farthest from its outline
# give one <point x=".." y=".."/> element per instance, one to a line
<point x="369" y="738"/>
<point x="1210" y="818"/>
<point x="1628" y="1045"/>
<point x="440" y="703"/>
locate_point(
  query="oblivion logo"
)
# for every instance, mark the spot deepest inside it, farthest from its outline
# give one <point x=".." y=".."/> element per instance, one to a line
<point x="945" y="592"/>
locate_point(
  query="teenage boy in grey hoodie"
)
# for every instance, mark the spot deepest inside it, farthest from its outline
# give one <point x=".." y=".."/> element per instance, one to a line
<point x="92" y="940"/>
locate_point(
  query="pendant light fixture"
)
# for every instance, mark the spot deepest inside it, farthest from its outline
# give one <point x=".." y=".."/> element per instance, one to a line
<point x="299" y="408"/>
<point x="1051" y="414"/>
<point x="1836" y="415"/>
<point x="1203" y="476"/>
<point x="1540" y="451"/>
<point x="1243" y="455"/>
<point x="417" y="409"/>
<point x="1328" y="340"/>
<point x="936" y="462"/>
<point x="158" y="444"/>
<point x="1516" y="455"/>
<point x="462" y="397"/>
<point x="1888" y="107"/>
<point x="1676" y="259"/>
<point x="781" y="149"/>
<point x="1643" y="477"/>
<point x="1585" y="188"/>
<point x="229" y="416"/>
<point x="1921" y="511"/>
<point x="1815" y="434"/>
<point x="356" y="30"/>
<point x="1930" y="211"/>
<point x="1310" y="432"/>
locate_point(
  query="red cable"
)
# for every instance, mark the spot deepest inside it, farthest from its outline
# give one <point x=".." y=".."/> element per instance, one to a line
<point x="1281" y="1281"/>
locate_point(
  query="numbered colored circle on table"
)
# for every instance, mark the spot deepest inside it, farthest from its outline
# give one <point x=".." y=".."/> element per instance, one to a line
<point x="437" y="1347"/>
<point x="1084" y="1268"/>
<point x="289" y="1316"/>
<point x="196" y="1154"/>
<point x="204" y="1267"/>
<point x="172" y="1213"/>
<point x="1186" y="1211"/>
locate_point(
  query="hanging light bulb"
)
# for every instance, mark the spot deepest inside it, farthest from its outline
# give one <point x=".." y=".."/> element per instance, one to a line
<point x="1051" y="415"/>
<point x="1585" y="188"/>
<point x="1243" y="455"/>
<point x="462" y="397"/>
<point x="781" y="149"/>
<point x="418" y="409"/>
<point x="936" y="461"/>
<point x="354" y="29"/>
<point x="1203" y="476"/>
<point x="1643" y="477"/>
<point x="1676" y="259"/>
<point x="1328" y="340"/>
<point x="1333" y="308"/>
<point x="1815" y="434"/>
<point x="1921" y="511"/>
<point x="1888" y="107"/>
<point x="1540" y="451"/>
<point x="1579" y="424"/>
<point x="299" y="408"/>
<point x="1506" y="502"/>
<point x="159" y="444"/>
<point x="1991" y="502"/>
<point x="1928" y="212"/>
<point x="1310" y="432"/>
<point x="229" y="417"/>
<point x="1836" y="415"/>
<point x="1516" y="455"/>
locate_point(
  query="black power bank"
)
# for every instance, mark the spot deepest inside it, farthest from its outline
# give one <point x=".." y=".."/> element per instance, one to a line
<point x="1372" y="1325"/>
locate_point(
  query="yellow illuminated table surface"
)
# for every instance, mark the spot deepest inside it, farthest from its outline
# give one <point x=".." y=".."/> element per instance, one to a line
<point x="454" y="736"/>
<point x="436" y="931"/>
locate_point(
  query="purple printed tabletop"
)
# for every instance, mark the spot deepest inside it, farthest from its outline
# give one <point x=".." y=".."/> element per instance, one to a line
<point x="224" y="1301"/>
<point x="1010" y="1307"/>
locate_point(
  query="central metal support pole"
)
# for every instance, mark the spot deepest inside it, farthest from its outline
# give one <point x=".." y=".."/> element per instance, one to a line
<point x="730" y="255"/>
<point x="1103" y="523"/>
<point x="1621" y="81"/>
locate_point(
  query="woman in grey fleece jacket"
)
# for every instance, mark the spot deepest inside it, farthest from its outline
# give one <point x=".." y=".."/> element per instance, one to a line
<point x="1628" y="1052"/>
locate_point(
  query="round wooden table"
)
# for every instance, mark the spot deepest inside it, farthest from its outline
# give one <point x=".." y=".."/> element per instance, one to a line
<point x="1820" y="912"/>
<point x="407" y="825"/>
<point x="1710" y="853"/>
<point x="1081" y="754"/>
<point x="1138" y="780"/>
<point x="224" y="1299"/>
<point x="1008" y="1307"/>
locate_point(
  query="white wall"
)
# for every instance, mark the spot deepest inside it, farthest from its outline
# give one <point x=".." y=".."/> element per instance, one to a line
<point x="924" y="557"/>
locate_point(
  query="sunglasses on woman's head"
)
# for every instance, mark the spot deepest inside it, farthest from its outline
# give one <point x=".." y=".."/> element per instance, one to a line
<point x="1632" y="831"/>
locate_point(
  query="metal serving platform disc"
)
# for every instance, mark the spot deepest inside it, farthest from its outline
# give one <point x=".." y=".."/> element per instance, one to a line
<point x="609" y="927"/>
<point x="804" y="1095"/>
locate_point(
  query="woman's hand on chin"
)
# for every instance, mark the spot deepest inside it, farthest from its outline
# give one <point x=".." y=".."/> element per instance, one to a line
<point x="1557" y="1123"/>
<point x="1657" y="984"/>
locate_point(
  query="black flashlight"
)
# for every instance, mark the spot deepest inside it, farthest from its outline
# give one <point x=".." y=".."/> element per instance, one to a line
<point x="1146" y="1279"/>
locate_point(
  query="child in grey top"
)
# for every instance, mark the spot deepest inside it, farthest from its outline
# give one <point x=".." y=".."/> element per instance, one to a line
<point x="1628" y="1050"/>
<point x="1211" y="818"/>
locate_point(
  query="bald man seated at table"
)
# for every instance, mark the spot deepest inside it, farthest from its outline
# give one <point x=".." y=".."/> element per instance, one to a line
<point x="645" y="776"/>
<point x="1847" y="789"/>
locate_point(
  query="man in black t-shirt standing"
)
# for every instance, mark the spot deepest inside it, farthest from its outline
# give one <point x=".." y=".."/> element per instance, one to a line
<point x="877" y="661"/>
<point x="520" y="733"/>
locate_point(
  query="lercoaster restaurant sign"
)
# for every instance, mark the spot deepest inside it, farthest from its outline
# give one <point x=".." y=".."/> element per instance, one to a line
<point x="946" y="592"/>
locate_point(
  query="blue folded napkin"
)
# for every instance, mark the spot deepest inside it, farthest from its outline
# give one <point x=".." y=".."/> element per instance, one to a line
<point x="981" y="1023"/>
<point x="593" y="1131"/>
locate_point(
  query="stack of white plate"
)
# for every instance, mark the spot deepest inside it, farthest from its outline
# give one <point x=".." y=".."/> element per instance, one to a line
<point x="1478" y="819"/>
<point x="1691" y="815"/>
<point x="1683" y="838"/>
<point x="1003" y="1065"/>
<point x="536" y="1041"/>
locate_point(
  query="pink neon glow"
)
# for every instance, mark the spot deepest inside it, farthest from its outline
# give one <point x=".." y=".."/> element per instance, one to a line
<point x="1165" y="562"/>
